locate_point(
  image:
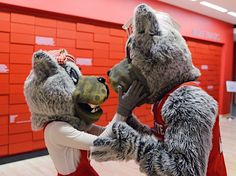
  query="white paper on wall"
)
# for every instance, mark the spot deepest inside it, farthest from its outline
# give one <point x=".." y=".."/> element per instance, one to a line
<point x="231" y="86"/>
<point x="204" y="67"/>
<point x="84" y="61"/>
<point x="210" y="87"/>
<point x="13" y="118"/>
<point x="49" y="41"/>
<point x="3" y="68"/>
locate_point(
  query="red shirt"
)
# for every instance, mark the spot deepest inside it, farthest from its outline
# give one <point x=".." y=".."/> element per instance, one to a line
<point x="216" y="164"/>
<point x="84" y="168"/>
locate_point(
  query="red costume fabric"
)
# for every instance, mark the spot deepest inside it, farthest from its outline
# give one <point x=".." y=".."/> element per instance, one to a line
<point x="84" y="168"/>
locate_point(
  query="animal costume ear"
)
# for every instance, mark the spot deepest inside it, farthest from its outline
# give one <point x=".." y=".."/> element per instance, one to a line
<point x="145" y="20"/>
<point x="44" y="65"/>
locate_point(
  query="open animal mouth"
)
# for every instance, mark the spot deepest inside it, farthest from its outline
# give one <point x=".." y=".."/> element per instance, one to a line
<point x="88" y="112"/>
<point x="90" y="107"/>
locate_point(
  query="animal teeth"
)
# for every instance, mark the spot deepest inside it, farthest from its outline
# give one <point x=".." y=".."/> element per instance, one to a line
<point x="93" y="106"/>
<point x="95" y="109"/>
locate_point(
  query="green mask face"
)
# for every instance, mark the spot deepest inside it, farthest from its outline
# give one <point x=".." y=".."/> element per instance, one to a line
<point x="124" y="74"/>
<point x="89" y="94"/>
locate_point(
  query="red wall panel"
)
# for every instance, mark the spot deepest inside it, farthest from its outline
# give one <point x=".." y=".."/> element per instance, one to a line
<point x="22" y="18"/>
<point x="66" y="25"/>
<point x="85" y="27"/>
<point x="5" y="26"/>
<point x="19" y="128"/>
<point x="5" y="47"/>
<point x="84" y="44"/>
<point x="17" y="98"/>
<point x="22" y="38"/>
<point x="20" y="58"/>
<point x="20" y="147"/>
<point x="4" y="150"/>
<point x="45" y="22"/>
<point x="4" y="140"/>
<point x="84" y="36"/>
<point x="65" y="43"/>
<point x="19" y="138"/>
<point x="45" y="31"/>
<point x="4" y="37"/>
<point x="4" y="58"/>
<point x="4" y="89"/>
<point x="22" y="28"/>
<point x="68" y="34"/>
<point x="206" y="57"/>
<point x="21" y="49"/>
<point x="4" y="120"/>
<point x="3" y="99"/>
<point x="3" y="129"/>
<point x="37" y="145"/>
<point x="84" y="53"/>
<point x="39" y="135"/>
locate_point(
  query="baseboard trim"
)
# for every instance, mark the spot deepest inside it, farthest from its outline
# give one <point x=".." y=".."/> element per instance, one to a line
<point x="224" y="115"/>
<point x="23" y="156"/>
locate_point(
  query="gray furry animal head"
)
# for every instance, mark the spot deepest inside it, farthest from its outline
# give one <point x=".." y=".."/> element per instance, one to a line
<point x="159" y="52"/>
<point x="53" y="92"/>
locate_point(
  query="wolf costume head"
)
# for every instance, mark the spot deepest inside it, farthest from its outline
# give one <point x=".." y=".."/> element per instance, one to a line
<point x="156" y="54"/>
<point x="56" y="90"/>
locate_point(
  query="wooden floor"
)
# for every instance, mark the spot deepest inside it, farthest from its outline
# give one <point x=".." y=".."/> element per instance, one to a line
<point x="228" y="132"/>
<point x="43" y="166"/>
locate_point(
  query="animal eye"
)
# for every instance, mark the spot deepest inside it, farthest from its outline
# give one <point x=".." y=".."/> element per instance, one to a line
<point x="128" y="55"/>
<point x="128" y="48"/>
<point x="74" y="75"/>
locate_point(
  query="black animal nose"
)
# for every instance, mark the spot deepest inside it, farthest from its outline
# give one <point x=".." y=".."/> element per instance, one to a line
<point x="108" y="72"/>
<point x="101" y="80"/>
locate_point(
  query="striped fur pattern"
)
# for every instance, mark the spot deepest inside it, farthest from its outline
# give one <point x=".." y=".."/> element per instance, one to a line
<point x="158" y="50"/>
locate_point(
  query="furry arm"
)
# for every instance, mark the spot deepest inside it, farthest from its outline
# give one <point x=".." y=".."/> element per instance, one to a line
<point x="189" y="114"/>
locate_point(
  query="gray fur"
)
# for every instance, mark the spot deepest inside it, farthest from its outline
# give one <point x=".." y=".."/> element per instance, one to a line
<point x="189" y="114"/>
<point x="158" y="50"/>
<point x="48" y="90"/>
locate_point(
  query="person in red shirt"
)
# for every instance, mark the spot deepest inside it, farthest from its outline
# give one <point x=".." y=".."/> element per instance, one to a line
<point x="185" y="139"/>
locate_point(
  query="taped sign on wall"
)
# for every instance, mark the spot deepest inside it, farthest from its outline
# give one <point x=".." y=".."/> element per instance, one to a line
<point x="44" y="41"/>
<point x="3" y="68"/>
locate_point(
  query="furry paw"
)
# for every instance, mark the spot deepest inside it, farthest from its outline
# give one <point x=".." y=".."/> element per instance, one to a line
<point x="120" y="147"/>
